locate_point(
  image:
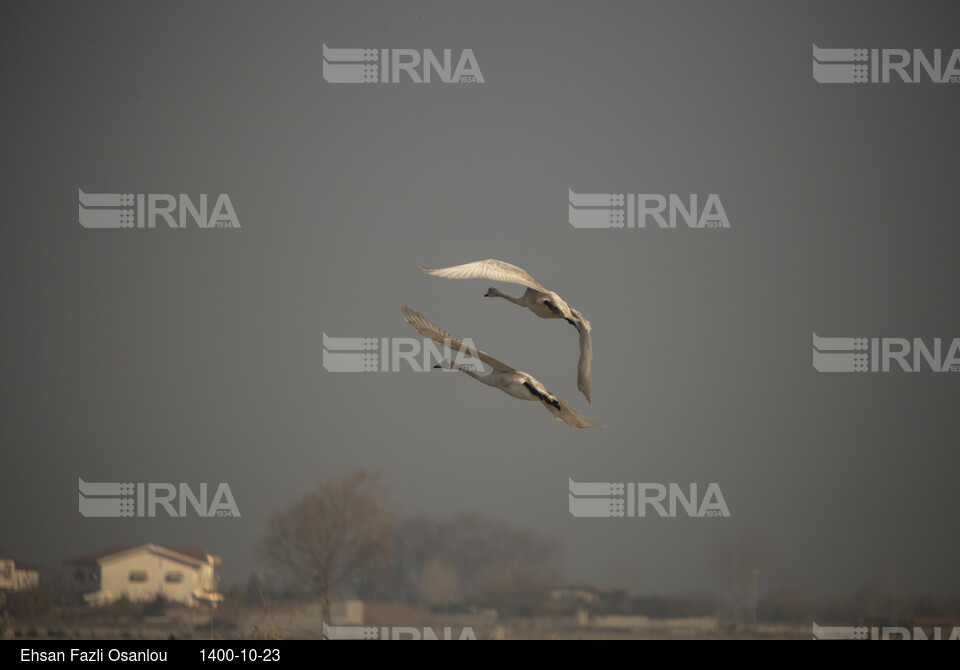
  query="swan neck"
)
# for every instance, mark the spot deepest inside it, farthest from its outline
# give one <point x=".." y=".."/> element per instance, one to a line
<point x="468" y="369"/>
<point x="506" y="296"/>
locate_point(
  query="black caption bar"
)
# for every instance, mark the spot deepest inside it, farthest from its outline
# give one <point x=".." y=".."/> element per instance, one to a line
<point x="213" y="652"/>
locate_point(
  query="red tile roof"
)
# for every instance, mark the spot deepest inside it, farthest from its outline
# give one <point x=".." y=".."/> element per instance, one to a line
<point x="195" y="553"/>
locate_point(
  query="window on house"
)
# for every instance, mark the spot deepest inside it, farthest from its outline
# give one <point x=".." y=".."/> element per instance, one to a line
<point x="138" y="575"/>
<point x="174" y="576"/>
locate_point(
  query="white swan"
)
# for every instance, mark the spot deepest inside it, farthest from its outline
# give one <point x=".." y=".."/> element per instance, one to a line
<point x="545" y="304"/>
<point x="508" y="379"/>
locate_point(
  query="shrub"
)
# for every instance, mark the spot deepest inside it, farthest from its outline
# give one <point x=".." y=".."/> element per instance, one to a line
<point x="28" y="604"/>
<point x="155" y="607"/>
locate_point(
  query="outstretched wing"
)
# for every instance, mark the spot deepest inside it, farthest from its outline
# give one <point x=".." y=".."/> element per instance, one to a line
<point x="558" y="407"/>
<point x="423" y="326"/>
<point x="488" y="269"/>
<point x="585" y="366"/>
<point x="569" y="415"/>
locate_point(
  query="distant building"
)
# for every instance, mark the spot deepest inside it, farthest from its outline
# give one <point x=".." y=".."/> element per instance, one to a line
<point x="574" y="593"/>
<point x="15" y="577"/>
<point x="180" y="574"/>
<point x="933" y="628"/>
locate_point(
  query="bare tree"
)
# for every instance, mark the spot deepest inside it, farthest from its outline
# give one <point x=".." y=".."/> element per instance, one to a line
<point x="333" y="534"/>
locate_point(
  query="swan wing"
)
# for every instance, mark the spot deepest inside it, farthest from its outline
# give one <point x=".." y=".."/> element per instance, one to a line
<point x="560" y="409"/>
<point x="488" y="269"/>
<point x="585" y="366"/>
<point x="423" y="326"/>
<point x="569" y="415"/>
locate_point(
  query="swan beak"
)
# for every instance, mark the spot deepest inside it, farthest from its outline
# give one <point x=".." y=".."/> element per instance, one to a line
<point x="435" y="367"/>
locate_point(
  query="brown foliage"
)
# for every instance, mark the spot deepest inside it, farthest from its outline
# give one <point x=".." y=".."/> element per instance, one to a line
<point x="333" y="534"/>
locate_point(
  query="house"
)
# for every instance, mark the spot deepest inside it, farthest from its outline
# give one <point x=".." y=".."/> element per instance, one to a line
<point x="179" y="574"/>
<point x="15" y="577"/>
<point x="574" y="593"/>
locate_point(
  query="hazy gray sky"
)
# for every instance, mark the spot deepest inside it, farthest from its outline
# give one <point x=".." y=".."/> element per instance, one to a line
<point x="195" y="356"/>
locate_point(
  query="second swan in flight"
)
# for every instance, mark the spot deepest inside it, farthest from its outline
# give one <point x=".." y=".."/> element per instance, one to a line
<point x="511" y="381"/>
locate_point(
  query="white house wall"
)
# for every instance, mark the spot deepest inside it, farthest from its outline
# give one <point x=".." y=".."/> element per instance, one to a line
<point x="115" y="578"/>
<point x="14" y="579"/>
<point x="6" y="574"/>
<point x="27" y="580"/>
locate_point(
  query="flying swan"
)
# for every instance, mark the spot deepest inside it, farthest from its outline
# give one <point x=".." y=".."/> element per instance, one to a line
<point x="511" y="381"/>
<point x="542" y="302"/>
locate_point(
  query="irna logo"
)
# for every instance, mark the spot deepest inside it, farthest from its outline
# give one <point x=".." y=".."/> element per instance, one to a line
<point x="116" y="499"/>
<point x="395" y="66"/>
<point x="883" y="66"/>
<point x="643" y="210"/>
<point x="616" y="499"/>
<point x="147" y="210"/>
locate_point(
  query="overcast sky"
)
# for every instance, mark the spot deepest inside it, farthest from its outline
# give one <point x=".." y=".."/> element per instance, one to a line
<point x="196" y="355"/>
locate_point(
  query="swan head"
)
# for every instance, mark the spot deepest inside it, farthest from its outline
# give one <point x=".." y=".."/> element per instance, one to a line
<point x="491" y="293"/>
<point x="471" y="365"/>
<point x="447" y="364"/>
